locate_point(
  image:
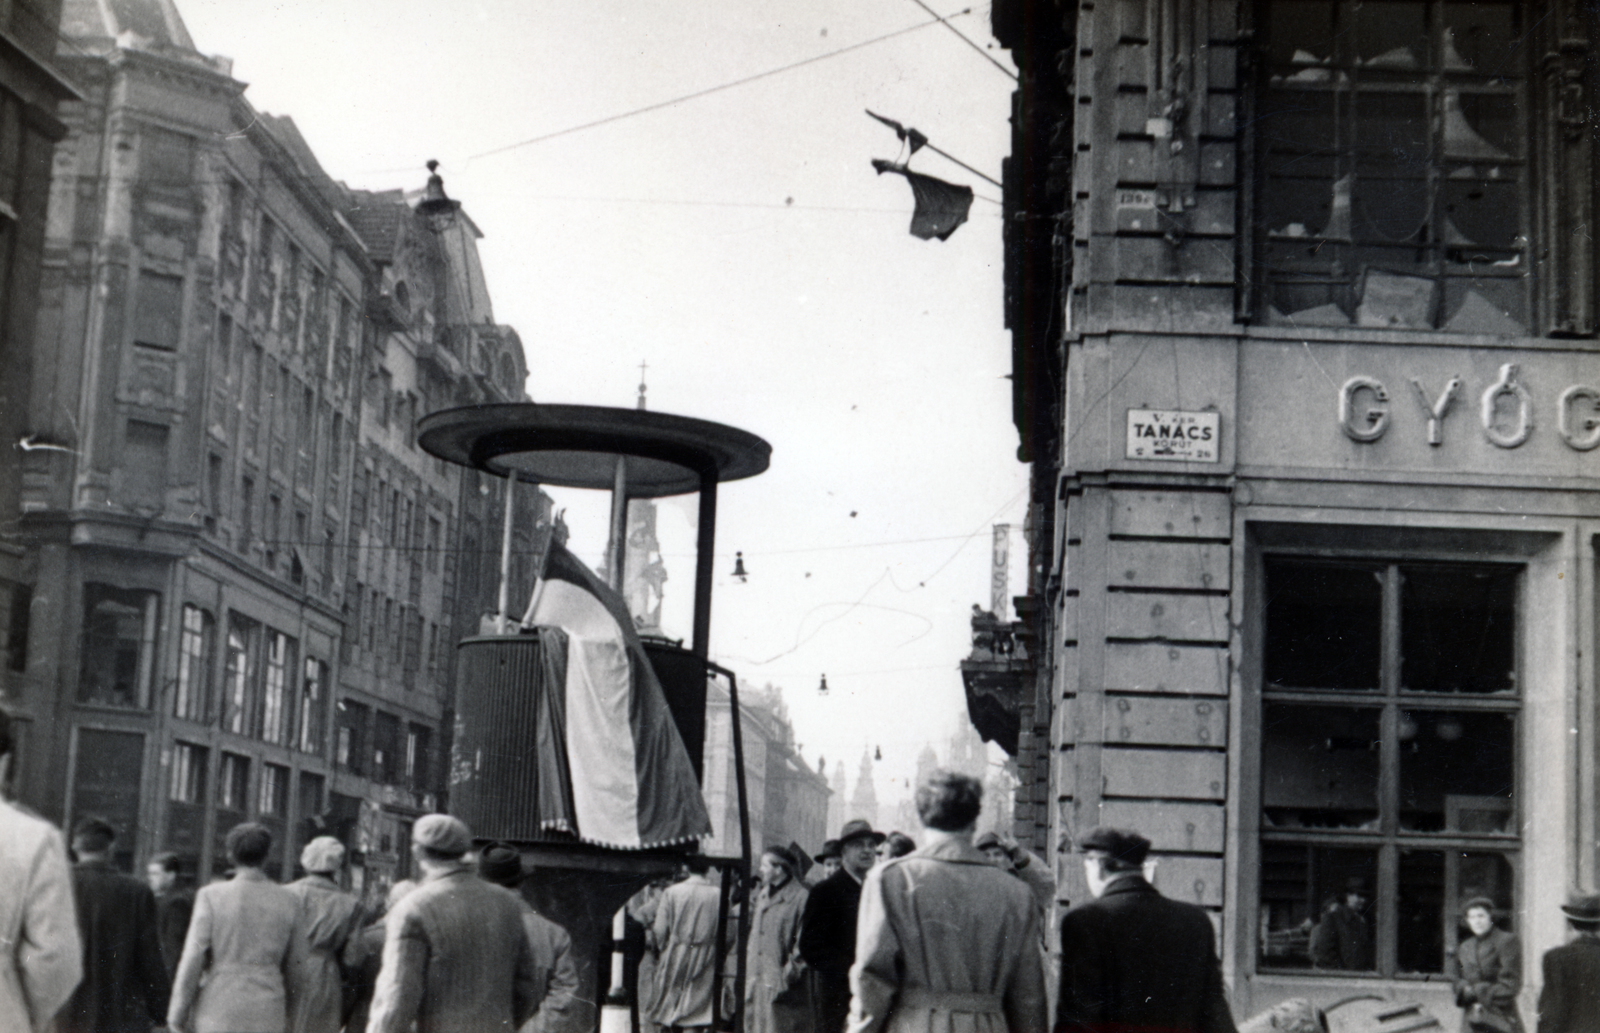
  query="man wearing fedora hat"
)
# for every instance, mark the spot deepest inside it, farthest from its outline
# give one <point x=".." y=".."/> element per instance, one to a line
<point x="1570" y="1000"/>
<point x="828" y="862"/>
<point x="555" y="974"/>
<point x="1342" y="938"/>
<point x="828" y="930"/>
<point x="1130" y="958"/>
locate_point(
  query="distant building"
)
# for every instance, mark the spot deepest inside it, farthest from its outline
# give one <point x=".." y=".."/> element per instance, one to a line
<point x="248" y="571"/>
<point x="864" y="798"/>
<point x="788" y="800"/>
<point x="836" y="815"/>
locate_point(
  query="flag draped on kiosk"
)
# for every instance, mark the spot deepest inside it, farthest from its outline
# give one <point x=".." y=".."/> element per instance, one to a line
<point x="631" y="783"/>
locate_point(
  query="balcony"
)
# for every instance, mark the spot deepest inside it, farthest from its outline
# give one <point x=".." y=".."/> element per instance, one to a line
<point x="998" y="675"/>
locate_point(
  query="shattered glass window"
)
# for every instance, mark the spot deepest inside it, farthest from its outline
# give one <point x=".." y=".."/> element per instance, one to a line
<point x="1393" y="166"/>
<point x="1388" y="740"/>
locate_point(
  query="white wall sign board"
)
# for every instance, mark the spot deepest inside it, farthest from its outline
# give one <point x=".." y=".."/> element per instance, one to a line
<point x="1171" y="434"/>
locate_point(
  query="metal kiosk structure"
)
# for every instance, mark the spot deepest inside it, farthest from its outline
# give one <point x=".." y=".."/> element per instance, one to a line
<point x="634" y="454"/>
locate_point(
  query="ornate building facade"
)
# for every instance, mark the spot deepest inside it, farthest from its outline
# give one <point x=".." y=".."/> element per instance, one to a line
<point x="1302" y="298"/>
<point x="250" y="572"/>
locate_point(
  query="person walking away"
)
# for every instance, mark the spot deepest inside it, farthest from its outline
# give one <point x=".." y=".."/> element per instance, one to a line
<point x="363" y="954"/>
<point x="555" y="974"/>
<point x="233" y="973"/>
<point x="1130" y="958"/>
<point x="174" y="905"/>
<point x="778" y="999"/>
<point x="44" y="958"/>
<point x="125" y="986"/>
<point x="685" y="934"/>
<point x="328" y="918"/>
<point x="937" y="946"/>
<point x="641" y="909"/>
<point x="1487" y="972"/>
<point x="828" y="928"/>
<point x="455" y="955"/>
<point x="1570" y="999"/>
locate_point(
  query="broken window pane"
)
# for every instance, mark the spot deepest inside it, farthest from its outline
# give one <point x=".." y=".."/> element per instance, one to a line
<point x="1456" y="770"/>
<point x="1391" y="35"/>
<point x="1323" y="625"/>
<point x="1300" y="34"/>
<point x="1319" y="767"/>
<point x="1457" y="629"/>
<point x="1482" y="38"/>
<point x="1393" y="126"/>
<point x="1316" y="907"/>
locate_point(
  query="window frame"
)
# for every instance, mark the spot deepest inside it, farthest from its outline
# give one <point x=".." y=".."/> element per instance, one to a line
<point x="1389" y="842"/>
<point x="1433" y="84"/>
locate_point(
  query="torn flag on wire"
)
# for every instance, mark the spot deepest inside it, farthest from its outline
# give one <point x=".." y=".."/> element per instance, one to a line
<point x="940" y="206"/>
<point x="632" y="784"/>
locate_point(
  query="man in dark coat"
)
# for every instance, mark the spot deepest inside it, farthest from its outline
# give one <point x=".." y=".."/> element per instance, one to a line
<point x="174" y="905"/>
<point x="125" y="984"/>
<point x="1132" y="960"/>
<point x="828" y="928"/>
<point x="1342" y="938"/>
<point x="1570" y="1000"/>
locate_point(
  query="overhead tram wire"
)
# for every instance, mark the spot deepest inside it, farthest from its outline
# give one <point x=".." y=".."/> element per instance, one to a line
<point x="1008" y="73"/>
<point x="937" y="20"/>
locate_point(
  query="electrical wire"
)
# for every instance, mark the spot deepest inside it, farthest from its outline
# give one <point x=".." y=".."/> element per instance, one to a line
<point x="607" y="120"/>
<point x="1008" y="73"/>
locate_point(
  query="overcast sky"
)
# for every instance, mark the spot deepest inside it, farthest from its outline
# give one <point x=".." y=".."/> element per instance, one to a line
<point x="740" y="244"/>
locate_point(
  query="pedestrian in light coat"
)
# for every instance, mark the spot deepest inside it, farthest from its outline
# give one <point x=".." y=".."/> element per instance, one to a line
<point x="1570" y="1000"/>
<point x="233" y="975"/>
<point x="685" y="933"/>
<point x="455" y="957"/>
<point x="43" y="960"/>
<point x="555" y="974"/>
<point x="125" y="986"/>
<point x="328" y="916"/>
<point x="778" y="998"/>
<point x="828" y="930"/>
<point x="944" y="939"/>
<point x="1132" y="960"/>
<point x="1486" y="969"/>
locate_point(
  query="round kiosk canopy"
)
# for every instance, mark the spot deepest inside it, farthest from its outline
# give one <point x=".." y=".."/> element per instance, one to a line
<point x="576" y="446"/>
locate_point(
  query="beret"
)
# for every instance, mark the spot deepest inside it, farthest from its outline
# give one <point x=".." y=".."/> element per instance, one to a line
<point x="323" y="854"/>
<point x="1483" y="902"/>
<point x="1122" y="844"/>
<point x="442" y="834"/>
<point x="500" y="864"/>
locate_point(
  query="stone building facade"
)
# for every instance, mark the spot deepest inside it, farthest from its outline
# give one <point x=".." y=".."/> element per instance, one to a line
<point x="1302" y="302"/>
<point x="244" y="574"/>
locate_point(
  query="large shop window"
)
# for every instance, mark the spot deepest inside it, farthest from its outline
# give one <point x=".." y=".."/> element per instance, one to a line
<point x="1388" y="760"/>
<point x="1392" y="162"/>
<point x="197" y="643"/>
<point x="119" y="641"/>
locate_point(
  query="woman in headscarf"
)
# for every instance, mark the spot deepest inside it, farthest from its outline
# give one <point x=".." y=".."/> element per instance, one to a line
<point x="327" y="918"/>
<point x="1487" y="971"/>
<point x="240" y="942"/>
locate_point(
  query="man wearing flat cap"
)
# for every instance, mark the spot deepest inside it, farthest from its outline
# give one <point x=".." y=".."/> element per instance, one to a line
<point x="1130" y="958"/>
<point x="456" y="957"/>
<point x="328" y="918"/>
<point x="555" y="974"/>
<point x="828" y="929"/>
<point x="1570" y="1000"/>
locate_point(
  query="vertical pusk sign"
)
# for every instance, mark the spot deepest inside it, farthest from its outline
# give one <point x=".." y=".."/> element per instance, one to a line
<point x="1000" y="571"/>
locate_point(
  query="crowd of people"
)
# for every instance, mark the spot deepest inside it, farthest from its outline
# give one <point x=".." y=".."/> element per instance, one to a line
<point x="874" y="934"/>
